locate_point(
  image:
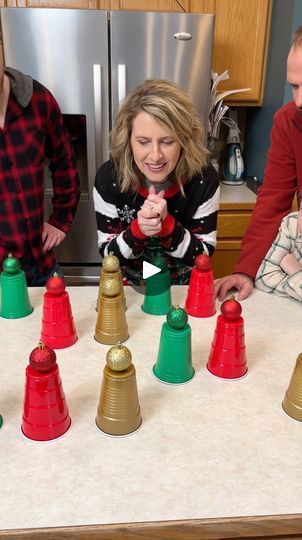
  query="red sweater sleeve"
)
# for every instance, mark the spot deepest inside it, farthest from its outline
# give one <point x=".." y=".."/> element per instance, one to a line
<point x="275" y="197"/>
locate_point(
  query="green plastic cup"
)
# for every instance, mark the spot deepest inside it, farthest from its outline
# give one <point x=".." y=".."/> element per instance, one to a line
<point x="174" y="359"/>
<point x="14" y="298"/>
<point x="157" y="299"/>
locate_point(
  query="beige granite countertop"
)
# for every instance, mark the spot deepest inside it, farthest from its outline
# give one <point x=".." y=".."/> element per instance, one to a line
<point x="206" y="449"/>
<point x="236" y="194"/>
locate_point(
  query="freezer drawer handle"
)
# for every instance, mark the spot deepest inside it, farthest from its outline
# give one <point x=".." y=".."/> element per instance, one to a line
<point x="121" y="82"/>
<point x="97" y="88"/>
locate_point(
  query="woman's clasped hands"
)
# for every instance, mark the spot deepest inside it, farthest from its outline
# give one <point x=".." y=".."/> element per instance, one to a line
<point x="152" y="213"/>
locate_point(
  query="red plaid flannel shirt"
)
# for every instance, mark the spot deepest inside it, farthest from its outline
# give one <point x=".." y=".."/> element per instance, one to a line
<point x="31" y="135"/>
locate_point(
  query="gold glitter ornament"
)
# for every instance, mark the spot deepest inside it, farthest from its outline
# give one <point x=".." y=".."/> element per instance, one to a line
<point x="110" y="263"/>
<point x="111" y="286"/>
<point x="118" y="358"/>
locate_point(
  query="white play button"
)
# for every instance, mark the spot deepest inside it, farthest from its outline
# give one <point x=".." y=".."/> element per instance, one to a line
<point x="149" y="270"/>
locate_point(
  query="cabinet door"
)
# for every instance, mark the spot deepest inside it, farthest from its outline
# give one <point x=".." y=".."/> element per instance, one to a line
<point x="240" y="44"/>
<point x="150" y="5"/>
<point x="233" y="220"/>
<point x="75" y="4"/>
<point x="225" y="257"/>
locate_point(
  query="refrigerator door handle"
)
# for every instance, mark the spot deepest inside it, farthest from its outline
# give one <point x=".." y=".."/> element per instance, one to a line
<point x="97" y="91"/>
<point x="121" y="82"/>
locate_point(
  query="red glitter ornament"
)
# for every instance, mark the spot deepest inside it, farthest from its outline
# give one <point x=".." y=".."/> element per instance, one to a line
<point x="55" y="284"/>
<point x="202" y="262"/>
<point x="231" y="309"/>
<point x="42" y="358"/>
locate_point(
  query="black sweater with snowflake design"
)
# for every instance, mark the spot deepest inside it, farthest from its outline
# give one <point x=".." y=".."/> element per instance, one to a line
<point x="188" y="230"/>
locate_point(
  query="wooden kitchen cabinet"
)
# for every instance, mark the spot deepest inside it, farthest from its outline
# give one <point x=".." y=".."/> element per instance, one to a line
<point x="150" y="5"/>
<point x="240" y="41"/>
<point x="233" y="219"/>
<point x="72" y="4"/>
<point x="240" y="45"/>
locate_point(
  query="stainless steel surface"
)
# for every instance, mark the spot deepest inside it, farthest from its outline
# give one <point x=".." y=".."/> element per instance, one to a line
<point x="82" y="274"/>
<point x="59" y="48"/>
<point x="146" y="43"/>
<point x="68" y="51"/>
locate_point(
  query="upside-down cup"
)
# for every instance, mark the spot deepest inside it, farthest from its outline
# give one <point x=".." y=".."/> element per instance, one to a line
<point x="174" y="358"/>
<point x="200" y="301"/>
<point x="58" y="329"/>
<point x="14" y="298"/>
<point x="45" y="412"/>
<point x="227" y="358"/>
<point x="119" y="413"/>
<point x="157" y="299"/>
<point x="111" y="325"/>
<point x="292" y="403"/>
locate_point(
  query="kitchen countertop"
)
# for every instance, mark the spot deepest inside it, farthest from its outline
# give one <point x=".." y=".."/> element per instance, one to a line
<point x="210" y="448"/>
<point x="236" y="195"/>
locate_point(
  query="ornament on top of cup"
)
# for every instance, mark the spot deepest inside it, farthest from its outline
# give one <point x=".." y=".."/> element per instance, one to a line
<point x="45" y="412"/>
<point x="200" y="301"/>
<point x="227" y="358"/>
<point x="119" y="411"/>
<point x="111" y="325"/>
<point x="292" y="403"/>
<point x="157" y="299"/>
<point x="58" y="328"/>
<point x="174" y="358"/>
<point x="14" y="297"/>
<point x="110" y="268"/>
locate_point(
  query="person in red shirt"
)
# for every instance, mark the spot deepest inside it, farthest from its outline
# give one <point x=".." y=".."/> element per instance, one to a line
<point x="282" y="181"/>
<point x="31" y="134"/>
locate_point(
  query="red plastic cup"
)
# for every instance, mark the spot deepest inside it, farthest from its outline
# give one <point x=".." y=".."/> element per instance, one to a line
<point x="200" y="301"/>
<point x="227" y="357"/>
<point x="58" y="329"/>
<point x="45" y="412"/>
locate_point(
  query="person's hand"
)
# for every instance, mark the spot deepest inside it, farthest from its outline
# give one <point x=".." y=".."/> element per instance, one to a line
<point x="152" y="213"/>
<point x="51" y="236"/>
<point x="241" y="282"/>
<point x="289" y="264"/>
<point x="157" y="202"/>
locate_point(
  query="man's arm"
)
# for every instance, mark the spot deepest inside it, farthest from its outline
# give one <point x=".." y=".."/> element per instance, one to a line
<point x="274" y="201"/>
<point x="66" y="183"/>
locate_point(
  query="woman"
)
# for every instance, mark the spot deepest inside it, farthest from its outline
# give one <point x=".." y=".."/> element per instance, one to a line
<point x="158" y="183"/>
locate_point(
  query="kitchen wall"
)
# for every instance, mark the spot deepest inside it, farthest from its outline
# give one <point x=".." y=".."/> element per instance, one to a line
<point x="286" y="17"/>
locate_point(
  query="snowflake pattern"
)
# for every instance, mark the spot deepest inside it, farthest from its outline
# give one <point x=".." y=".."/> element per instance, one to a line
<point x="126" y="213"/>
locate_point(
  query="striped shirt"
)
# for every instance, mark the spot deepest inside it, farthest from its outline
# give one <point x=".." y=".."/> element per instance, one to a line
<point x="188" y="230"/>
<point x="270" y="276"/>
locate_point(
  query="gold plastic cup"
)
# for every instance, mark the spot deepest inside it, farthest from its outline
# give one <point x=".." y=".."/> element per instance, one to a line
<point x="111" y="326"/>
<point x="119" y="411"/>
<point x="292" y="403"/>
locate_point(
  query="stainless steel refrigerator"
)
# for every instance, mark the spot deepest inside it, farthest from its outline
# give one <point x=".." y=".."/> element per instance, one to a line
<point x="89" y="60"/>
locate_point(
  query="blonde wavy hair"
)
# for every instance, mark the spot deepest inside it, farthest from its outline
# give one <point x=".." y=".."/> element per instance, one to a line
<point x="172" y="108"/>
